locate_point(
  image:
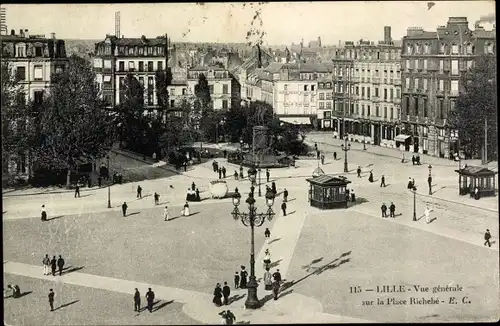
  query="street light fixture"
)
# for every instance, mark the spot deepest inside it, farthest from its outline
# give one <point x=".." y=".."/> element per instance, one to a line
<point x="109" y="185"/>
<point x="414" y="189"/>
<point x="430" y="169"/>
<point x="252" y="219"/>
<point x="260" y="193"/>
<point x="345" y="148"/>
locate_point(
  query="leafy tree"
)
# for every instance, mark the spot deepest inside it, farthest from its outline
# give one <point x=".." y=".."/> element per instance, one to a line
<point x="236" y="121"/>
<point x="163" y="80"/>
<point x="74" y="125"/>
<point x="477" y="103"/>
<point x="177" y="130"/>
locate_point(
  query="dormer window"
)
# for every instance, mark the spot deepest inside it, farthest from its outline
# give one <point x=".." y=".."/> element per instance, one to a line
<point x="130" y="51"/>
<point x="454" y="48"/>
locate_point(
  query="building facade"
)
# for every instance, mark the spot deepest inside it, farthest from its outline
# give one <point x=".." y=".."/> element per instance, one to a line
<point x="33" y="58"/>
<point x="142" y="57"/>
<point x="220" y="82"/>
<point x="433" y="63"/>
<point x="325" y="103"/>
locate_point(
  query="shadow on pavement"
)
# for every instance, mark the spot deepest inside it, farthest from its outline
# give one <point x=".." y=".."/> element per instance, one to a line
<point x="55" y="217"/>
<point x="275" y="263"/>
<point x="66" y="304"/>
<point x="236" y="297"/>
<point x="86" y="195"/>
<point x="274" y="240"/>
<point x="164" y="304"/>
<point x="72" y="269"/>
<point x="242" y="322"/>
<point x="291" y="213"/>
<point x="359" y="201"/>
<point x="24" y="293"/>
<point x="193" y="213"/>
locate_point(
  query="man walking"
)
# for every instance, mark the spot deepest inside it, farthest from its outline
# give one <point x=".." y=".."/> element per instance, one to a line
<point x="165" y="213"/>
<point x="77" y="191"/>
<point x="230" y="317"/>
<point x="53" y="265"/>
<point x="283" y="208"/>
<point x="150" y="296"/>
<point x="267" y="234"/>
<point x="226" y="291"/>
<point x="382" y="181"/>
<point x="384" y="210"/>
<point x="139" y="192"/>
<point x="276" y="288"/>
<point x="124" y="209"/>
<point x="429" y="182"/>
<point x="392" y="210"/>
<point x="487" y="237"/>
<point x="285" y="195"/>
<point x="157" y="198"/>
<point x="60" y="264"/>
<point x="277" y="276"/>
<point x="359" y="171"/>
<point x="51" y="299"/>
<point x="46" y="263"/>
<point x="268" y="174"/>
<point x="224" y="172"/>
<point x="220" y="173"/>
<point x="236" y="280"/>
<point x="334" y="156"/>
<point x="137" y="300"/>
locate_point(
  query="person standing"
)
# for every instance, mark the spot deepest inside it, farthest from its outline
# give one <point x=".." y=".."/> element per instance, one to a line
<point x="53" y="265"/>
<point x="224" y="172"/>
<point x="277" y="276"/>
<point x="51" y="299"/>
<point x="77" y="191"/>
<point x="353" y="196"/>
<point x="384" y="210"/>
<point x="124" y="209"/>
<point x="429" y="182"/>
<point x="268" y="280"/>
<point x="370" y="178"/>
<point x="410" y="184"/>
<point x="230" y="317"/>
<point x="267" y="234"/>
<point x="157" y="198"/>
<point x="427" y="214"/>
<point x="283" y="208"/>
<point x="198" y="198"/>
<point x="235" y="175"/>
<point x="382" y="181"/>
<point x="185" y="212"/>
<point x="359" y="171"/>
<point x="413" y="159"/>
<point x="139" y="192"/>
<point x="285" y="195"/>
<point x="267" y="259"/>
<point x="335" y="156"/>
<point x="137" y="300"/>
<point x="241" y="172"/>
<point x="89" y="182"/>
<point x="46" y="264"/>
<point x="60" y="264"/>
<point x="193" y="186"/>
<point x="150" y="297"/>
<point x="214" y="166"/>
<point x="43" y="213"/>
<point x="217" y="295"/>
<point x="220" y="173"/>
<point x="226" y="291"/>
<point x="392" y="210"/>
<point x="236" y="280"/>
<point x="165" y="213"/>
<point x="487" y="237"/>
<point x="403" y="158"/>
<point x="268" y="174"/>
<point x="273" y="187"/>
<point x="243" y="278"/>
<point x="276" y="289"/>
<point x="322" y="159"/>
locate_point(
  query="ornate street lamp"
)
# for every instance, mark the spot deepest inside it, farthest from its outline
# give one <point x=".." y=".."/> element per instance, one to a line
<point x="241" y="153"/>
<point x="252" y="219"/>
<point x="345" y="148"/>
<point x="414" y="189"/>
<point x="260" y="193"/>
<point x="109" y="186"/>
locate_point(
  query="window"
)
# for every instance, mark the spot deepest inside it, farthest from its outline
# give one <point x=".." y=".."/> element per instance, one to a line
<point x="306" y="98"/>
<point x="416" y="85"/>
<point x="385" y="93"/>
<point x="362" y="92"/>
<point x="469" y="64"/>
<point x="141" y="81"/>
<point x="329" y="105"/>
<point x="160" y="65"/>
<point x="224" y="104"/>
<point x="150" y="65"/>
<point x="130" y="51"/>
<point x="20" y="51"/>
<point x="107" y="64"/>
<point x="425" y="83"/>
<point x="416" y="106"/>
<point x="425" y="108"/>
<point x="392" y="113"/>
<point x="376" y="91"/>
<point x="172" y="91"/>
<point x="225" y="89"/>
<point x="407" y="65"/>
<point x="417" y="48"/>
<point x="368" y="110"/>
<point x="416" y="65"/>
<point x="131" y="66"/>
<point x="305" y="88"/>
<point x="211" y="88"/>
<point x="321" y="96"/>
<point x="425" y="64"/>
<point x="392" y="93"/>
<point x="357" y="90"/>
<point x="172" y="103"/>
<point x="454" y="87"/>
<point x="454" y="48"/>
<point x="377" y="111"/>
<point x="440" y="109"/>
<point x="312" y="87"/>
<point x="38" y="98"/>
<point x="488" y="48"/>
<point x="385" y="111"/>
<point x="122" y="81"/>
<point x="362" y="109"/>
<point x="442" y="48"/>
<point x="184" y="91"/>
<point x="38" y="51"/>
<point x="321" y="105"/>
<point x="327" y="114"/>
<point x="21" y="73"/>
<point x="409" y="49"/>
<point x="328" y="95"/>
<point x="150" y="98"/>
<point x="38" y="73"/>
<point x="454" y="67"/>
<point x="141" y="65"/>
<point x="407" y="83"/>
<point x="121" y="66"/>
<point x="150" y="82"/>
<point x="469" y="48"/>
<point x="427" y="48"/>
<point x="441" y="66"/>
<point x="441" y="85"/>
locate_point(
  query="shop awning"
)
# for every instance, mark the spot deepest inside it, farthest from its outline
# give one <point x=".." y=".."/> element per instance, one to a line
<point x="401" y="138"/>
<point x="296" y="120"/>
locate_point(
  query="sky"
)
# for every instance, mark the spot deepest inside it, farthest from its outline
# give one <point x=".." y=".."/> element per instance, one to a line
<point x="283" y="22"/>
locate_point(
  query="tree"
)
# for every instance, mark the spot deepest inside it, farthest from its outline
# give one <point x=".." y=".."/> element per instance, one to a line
<point x="75" y="127"/>
<point x="477" y="103"/>
<point x="236" y="121"/>
<point x="177" y="130"/>
<point x="163" y="80"/>
<point x="204" y="116"/>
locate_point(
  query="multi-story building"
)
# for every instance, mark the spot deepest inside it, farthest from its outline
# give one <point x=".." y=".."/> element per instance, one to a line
<point x="325" y="103"/>
<point x="367" y="91"/>
<point x="116" y="57"/>
<point x="33" y="58"/>
<point x="433" y="63"/>
<point x="178" y="89"/>
<point x="223" y="88"/>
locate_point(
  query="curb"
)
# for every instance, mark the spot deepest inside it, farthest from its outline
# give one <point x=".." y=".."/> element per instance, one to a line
<point x="458" y="203"/>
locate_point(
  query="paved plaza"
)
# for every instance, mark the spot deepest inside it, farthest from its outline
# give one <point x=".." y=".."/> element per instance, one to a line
<point x="321" y="254"/>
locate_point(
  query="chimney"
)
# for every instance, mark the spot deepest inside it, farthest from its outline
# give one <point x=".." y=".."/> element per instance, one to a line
<point x="12" y="32"/>
<point x="26" y="33"/>
<point x="53" y="36"/>
<point x="387" y="35"/>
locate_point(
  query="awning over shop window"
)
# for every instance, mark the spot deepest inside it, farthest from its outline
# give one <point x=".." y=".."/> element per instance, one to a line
<point x="401" y="138"/>
<point x="296" y="120"/>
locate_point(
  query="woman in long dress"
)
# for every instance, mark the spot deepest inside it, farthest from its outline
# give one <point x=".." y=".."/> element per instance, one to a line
<point x="165" y="213"/>
<point x="243" y="278"/>
<point x="267" y="259"/>
<point x="186" y="209"/>
<point x="217" y="295"/>
<point x="44" y="213"/>
<point x="268" y="280"/>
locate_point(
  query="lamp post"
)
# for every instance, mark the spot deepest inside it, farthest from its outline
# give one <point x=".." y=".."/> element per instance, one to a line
<point x="345" y="148"/>
<point x="414" y="189"/>
<point x="260" y="193"/>
<point x="253" y="219"/>
<point x="241" y="153"/>
<point x="109" y="186"/>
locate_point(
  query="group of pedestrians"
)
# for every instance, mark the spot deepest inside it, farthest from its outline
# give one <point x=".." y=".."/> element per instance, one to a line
<point x="150" y="297"/>
<point x="53" y="264"/>
<point x="392" y="210"/>
<point x="221" y="294"/>
<point x="220" y="170"/>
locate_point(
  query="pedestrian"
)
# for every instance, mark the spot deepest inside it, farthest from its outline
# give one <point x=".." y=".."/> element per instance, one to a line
<point x="230" y="317"/>
<point x="410" y="185"/>
<point x="226" y="291"/>
<point x="487" y="237"/>
<point x="241" y="173"/>
<point x="243" y="278"/>
<point x="268" y="174"/>
<point x="139" y="192"/>
<point x="137" y="300"/>
<point x="220" y="173"/>
<point x="51" y="299"/>
<point x="185" y="212"/>
<point x="315" y="146"/>
<point x="267" y="234"/>
<point x="382" y="181"/>
<point x="214" y="166"/>
<point x="273" y="187"/>
<point x="157" y="198"/>
<point x="335" y="156"/>
<point x="236" y="191"/>
<point x="353" y="196"/>
<point x="429" y="182"/>
<point x="322" y="159"/>
<point x="236" y="280"/>
<point x="99" y="181"/>
<point x="285" y="195"/>
<point x="403" y="158"/>
<point x="384" y="210"/>
<point x="359" y="171"/>
<point x="413" y="159"/>
<point x="417" y="159"/>
<point x="53" y="265"/>
<point x="77" y="191"/>
<point x="198" y="195"/>
<point x="60" y="264"/>
<point x="150" y="296"/>
<point x="392" y="210"/>
<point x="154" y="156"/>
<point x="318" y="153"/>
<point x="267" y="259"/>
<point x="427" y="214"/>
<point x="370" y="178"/>
<point x="268" y="280"/>
<point x="124" y="209"/>
<point x="15" y="289"/>
<point x="283" y="208"/>
<point x="476" y="193"/>
<point x="277" y="276"/>
<point x="235" y="175"/>
<point x="347" y="194"/>
<point x="46" y="263"/>
<point x="224" y="172"/>
<point x="276" y="289"/>
<point x="165" y="213"/>
<point x="193" y="186"/>
<point x="217" y="295"/>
